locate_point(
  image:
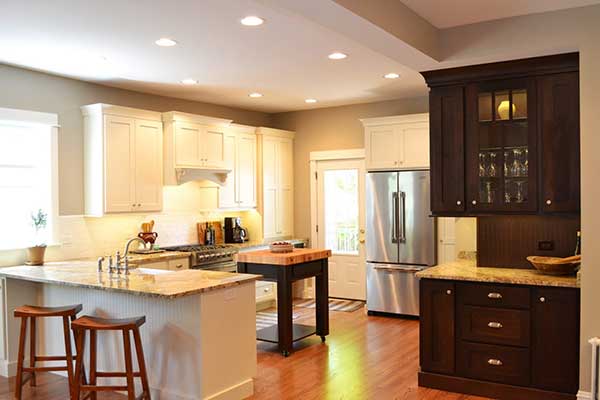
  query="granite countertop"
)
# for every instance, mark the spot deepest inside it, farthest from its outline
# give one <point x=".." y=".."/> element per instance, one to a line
<point x="467" y="270"/>
<point x="140" y="259"/>
<point x="140" y="281"/>
<point x="298" y="256"/>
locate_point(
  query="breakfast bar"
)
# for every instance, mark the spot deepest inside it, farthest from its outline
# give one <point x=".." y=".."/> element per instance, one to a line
<point x="286" y="268"/>
<point x="199" y="332"/>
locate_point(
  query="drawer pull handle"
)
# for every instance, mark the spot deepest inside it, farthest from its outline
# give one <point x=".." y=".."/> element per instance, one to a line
<point x="494" y="295"/>
<point x="495" y="325"/>
<point x="266" y="290"/>
<point x="178" y="266"/>
<point x="495" y="362"/>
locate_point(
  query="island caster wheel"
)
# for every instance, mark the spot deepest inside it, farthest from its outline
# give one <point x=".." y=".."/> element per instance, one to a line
<point x="285" y="353"/>
<point x="322" y="339"/>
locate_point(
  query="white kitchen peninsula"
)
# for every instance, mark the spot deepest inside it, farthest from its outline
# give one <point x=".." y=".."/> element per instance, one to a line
<point x="199" y="338"/>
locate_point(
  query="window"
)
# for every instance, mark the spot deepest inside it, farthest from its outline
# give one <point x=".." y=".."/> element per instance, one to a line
<point x="27" y="176"/>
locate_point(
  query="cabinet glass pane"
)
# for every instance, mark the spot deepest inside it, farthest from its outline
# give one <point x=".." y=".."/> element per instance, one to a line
<point x="502" y="105"/>
<point x="485" y="106"/>
<point x="519" y="99"/>
<point x="341" y="210"/>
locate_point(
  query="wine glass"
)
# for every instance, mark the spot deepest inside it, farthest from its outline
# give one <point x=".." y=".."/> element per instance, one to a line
<point x="492" y="169"/>
<point x="516" y="165"/>
<point x="520" y="197"/>
<point x="525" y="162"/>
<point x="489" y="192"/>
<point x="481" y="164"/>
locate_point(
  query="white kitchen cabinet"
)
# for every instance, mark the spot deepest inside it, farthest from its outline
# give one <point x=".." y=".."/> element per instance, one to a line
<point x="176" y="264"/>
<point x="122" y="160"/>
<point x="277" y="181"/>
<point x="395" y="143"/>
<point x="193" y="142"/>
<point x="239" y="188"/>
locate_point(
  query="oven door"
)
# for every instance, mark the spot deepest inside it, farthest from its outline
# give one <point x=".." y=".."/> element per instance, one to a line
<point x="224" y="266"/>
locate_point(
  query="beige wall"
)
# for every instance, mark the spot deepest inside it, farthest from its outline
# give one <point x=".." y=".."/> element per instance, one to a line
<point x="332" y="128"/>
<point x="24" y="89"/>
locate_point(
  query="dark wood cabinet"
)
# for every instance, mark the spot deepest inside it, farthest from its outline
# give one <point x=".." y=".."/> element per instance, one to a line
<point x="446" y="119"/>
<point x="499" y="340"/>
<point x="560" y="155"/>
<point x="437" y="326"/>
<point x="555" y="344"/>
<point x="504" y="137"/>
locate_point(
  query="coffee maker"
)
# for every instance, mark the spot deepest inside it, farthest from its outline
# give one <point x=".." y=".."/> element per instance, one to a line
<point x="234" y="233"/>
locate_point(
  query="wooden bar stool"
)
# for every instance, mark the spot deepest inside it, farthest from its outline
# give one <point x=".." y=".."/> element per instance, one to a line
<point x="95" y="324"/>
<point x="31" y="313"/>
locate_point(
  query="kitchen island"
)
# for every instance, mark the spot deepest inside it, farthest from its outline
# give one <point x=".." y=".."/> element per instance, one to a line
<point x="199" y="337"/>
<point x="286" y="268"/>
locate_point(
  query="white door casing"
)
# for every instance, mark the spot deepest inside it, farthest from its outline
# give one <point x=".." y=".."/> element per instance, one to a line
<point x="446" y="240"/>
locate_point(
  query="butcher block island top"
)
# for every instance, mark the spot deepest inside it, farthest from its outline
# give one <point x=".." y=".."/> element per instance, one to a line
<point x="298" y="256"/>
<point x="143" y="282"/>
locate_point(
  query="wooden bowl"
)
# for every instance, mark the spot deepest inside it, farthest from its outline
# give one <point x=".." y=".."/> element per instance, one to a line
<point x="552" y="266"/>
<point x="281" y="247"/>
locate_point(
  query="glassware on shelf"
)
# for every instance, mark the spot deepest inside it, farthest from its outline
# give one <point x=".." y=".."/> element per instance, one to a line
<point x="506" y="162"/>
<point x="524" y="162"/>
<point x="482" y="168"/>
<point x="515" y="169"/>
<point x="506" y="194"/>
<point x="520" y="197"/>
<point x="492" y="171"/>
<point x="489" y="192"/>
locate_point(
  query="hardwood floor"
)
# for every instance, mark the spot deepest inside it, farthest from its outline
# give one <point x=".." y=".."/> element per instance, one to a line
<point x="363" y="358"/>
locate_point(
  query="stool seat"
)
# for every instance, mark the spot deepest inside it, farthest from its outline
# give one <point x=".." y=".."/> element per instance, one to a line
<point x="37" y="311"/>
<point x="103" y="324"/>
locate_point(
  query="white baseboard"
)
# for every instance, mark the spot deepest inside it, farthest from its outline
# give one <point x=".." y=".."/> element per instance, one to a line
<point x="581" y="395"/>
<point x="9" y="368"/>
<point x="240" y="391"/>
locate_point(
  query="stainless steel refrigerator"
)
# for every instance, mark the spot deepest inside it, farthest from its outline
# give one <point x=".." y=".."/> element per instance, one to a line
<point x="401" y="239"/>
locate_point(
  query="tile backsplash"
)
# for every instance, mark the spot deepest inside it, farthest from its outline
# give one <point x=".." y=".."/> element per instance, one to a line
<point x="85" y="237"/>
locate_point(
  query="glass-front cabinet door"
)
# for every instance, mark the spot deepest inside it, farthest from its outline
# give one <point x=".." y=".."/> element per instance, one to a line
<point x="501" y="146"/>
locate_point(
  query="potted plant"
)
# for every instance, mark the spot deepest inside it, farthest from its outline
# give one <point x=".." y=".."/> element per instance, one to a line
<point x="39" y="220"/>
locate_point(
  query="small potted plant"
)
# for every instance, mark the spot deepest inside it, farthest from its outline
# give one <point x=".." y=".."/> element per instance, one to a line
<point x="39" y="220"/>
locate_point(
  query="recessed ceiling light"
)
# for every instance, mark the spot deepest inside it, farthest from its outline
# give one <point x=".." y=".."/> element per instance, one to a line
<point x="255" y="95"/>
<point x="391" y="75"/>
<point x="310" y="101"/>
<point x="165" y="42"/>
<point x="337" y="56"/>
<point x="189" y="81"/>
<point x="252" y="20"/>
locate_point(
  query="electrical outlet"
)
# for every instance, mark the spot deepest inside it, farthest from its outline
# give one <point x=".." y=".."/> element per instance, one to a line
<point x="546" y="245"/>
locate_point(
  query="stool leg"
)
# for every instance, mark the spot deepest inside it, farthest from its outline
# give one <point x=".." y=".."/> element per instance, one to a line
<point x="32" y="338"/>
<point x="78" y="375"/>
<point x="142" y="364"/>
<point x="19" y="378"/>
<point x="93" y="347"/>
<point x="68" y="352"/>
<point x="128" y="365"/>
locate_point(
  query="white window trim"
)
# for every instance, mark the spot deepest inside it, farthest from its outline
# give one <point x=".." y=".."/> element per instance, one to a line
<point x="51" y="121"/>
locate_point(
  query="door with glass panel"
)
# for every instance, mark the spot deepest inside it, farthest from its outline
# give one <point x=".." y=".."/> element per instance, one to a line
<point x="501" y="141"/>
<point x="340" y="216"/>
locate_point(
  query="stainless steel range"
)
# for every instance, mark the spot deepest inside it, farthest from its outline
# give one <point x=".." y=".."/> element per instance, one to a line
<point x="219" y="257"/>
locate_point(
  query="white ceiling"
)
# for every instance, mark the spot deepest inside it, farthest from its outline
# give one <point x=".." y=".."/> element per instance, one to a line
<point x="449" y="13"/>
<point x="112" y="42"/>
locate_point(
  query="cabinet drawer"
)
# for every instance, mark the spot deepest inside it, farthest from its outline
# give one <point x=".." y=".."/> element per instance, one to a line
<point x="495" y="325"/>
<point x="500" y="296"/>
<point x="509" y="365"/>
<point x="265" y="292"/>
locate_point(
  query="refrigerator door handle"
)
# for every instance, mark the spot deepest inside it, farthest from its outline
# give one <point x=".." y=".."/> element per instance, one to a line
<point x="402" y="221"/>
<point x="395" y="208"/>
<point x="397" y="269"/>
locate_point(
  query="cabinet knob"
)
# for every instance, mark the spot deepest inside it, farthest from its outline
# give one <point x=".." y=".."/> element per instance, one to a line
<point x="494" y="325"/>
<point x="494" y="295"/>
<point x="133" y="205"/>
<point x="458" y="202"/>
<point x="542" y="299"/>
<point x="395" y="162"/>
<point x="495" y="362"/>
<point x="139" y="205"/>
<point x="548" y="202"/>
<point x="266" y="290"/>
<point x="474" y="202"/>
<point x="448" y="291"/>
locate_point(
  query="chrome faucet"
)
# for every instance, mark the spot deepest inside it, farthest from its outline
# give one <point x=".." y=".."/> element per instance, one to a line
<point x="129" y="243"/>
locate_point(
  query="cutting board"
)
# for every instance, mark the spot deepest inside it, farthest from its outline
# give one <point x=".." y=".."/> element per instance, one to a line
<point x="201" y="229"/>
